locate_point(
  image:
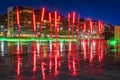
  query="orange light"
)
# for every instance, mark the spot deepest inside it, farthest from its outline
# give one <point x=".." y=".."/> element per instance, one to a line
<point x="43" y="12"/>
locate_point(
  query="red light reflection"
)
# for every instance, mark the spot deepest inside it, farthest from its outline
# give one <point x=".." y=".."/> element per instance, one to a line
<point x="34" y="53"/>
<point x="43" y="70"/>
<point x="85" y="48"/>
<point x="18" y="64"/>
<point x="91" y="50"/>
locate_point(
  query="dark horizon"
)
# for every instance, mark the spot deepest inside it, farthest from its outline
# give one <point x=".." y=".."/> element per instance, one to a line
<point x="107" y="11"/>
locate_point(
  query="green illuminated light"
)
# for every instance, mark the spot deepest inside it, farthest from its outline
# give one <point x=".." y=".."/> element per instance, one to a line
<point x="34" y="39"/>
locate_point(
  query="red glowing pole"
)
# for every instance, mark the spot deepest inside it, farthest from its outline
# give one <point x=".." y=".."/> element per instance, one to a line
<point x="69" y="26"/>
<point x="73" y="23"/>
<point x="84" y="25"/>
<point x="34" y="23"/>
<point x="56" y="33"/>
<point x="42" y="19"/>
<point x="50" y="24"/>
<point x="58" y="28"/>
<point x="78" y="27"/>
<point x="99" y="26"/>
<point x="91" y="26"/>
<point x="18" y="20"/>
<point x="69" y="45"/>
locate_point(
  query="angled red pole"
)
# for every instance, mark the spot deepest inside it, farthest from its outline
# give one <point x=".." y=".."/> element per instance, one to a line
<point x="50" y="24"/>
<point x="56" y="35"/>
<point x="91" y="26"/>
<point x="58" y="28"/>
<point x="73" y="22"/>
<point x="42" y="19"/>
<point x="99" y="25"/>
<point x="84" y="26"/>
<point x="78" y="27"/>
<point x="34" y="23"/>
<point x="18" y="20"/>
<point x="69" y="26"/>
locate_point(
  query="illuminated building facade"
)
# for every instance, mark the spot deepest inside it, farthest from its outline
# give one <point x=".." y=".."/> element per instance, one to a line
<point x="3" y="24"/>
<point x="117" y="32"/>
<point x="26" y="20"/>
<point x="85" y="28"/>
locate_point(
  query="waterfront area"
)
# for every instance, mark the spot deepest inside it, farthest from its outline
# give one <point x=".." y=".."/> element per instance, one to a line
<point x="40" y="61"/>
<point x="59" y="40"/>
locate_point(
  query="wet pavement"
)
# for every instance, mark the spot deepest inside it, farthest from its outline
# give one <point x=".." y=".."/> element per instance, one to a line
<point x="87" y="64"/>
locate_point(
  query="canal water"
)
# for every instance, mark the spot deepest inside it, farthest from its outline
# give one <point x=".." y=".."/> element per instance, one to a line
<point x="83" y="60"/>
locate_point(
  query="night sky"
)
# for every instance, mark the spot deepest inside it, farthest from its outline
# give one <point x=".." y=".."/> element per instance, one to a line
<point x="106" y="10"/>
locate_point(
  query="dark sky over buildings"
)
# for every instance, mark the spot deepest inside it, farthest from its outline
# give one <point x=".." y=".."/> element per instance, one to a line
<point x="106" y="10"/>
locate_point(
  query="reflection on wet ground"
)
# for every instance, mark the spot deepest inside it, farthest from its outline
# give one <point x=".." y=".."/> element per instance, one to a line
<point x="83" y="62"/>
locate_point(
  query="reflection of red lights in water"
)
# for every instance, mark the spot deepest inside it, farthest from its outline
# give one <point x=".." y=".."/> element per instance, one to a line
<point x="73" y="49"/>
<point x="69" y="66"/>
<point x="50" y="64"/>
<point x="18" y="64"/>
<point x="34" y="53"/>
<point x="74" y="67"/>
<point x="91" y="50"/>
<point x="18" y="48"/>
<point x="100" y="49"/>
<point x="43" y="70"/>
<point x="71" y="60"/>
<point x="57" y="57"/>
<point x="56" y="65"/>
<point x="85" y="49"/>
